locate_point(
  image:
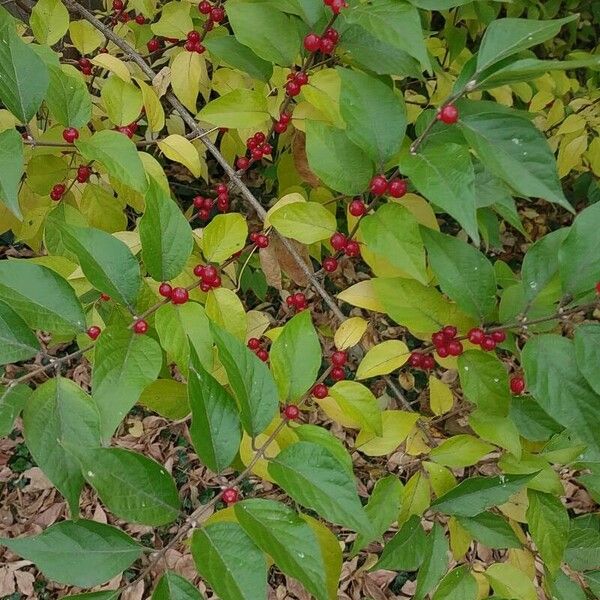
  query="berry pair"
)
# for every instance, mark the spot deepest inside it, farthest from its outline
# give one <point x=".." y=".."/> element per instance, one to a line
<point x="260" y="240"/>
<point x="215" y="13"/>
<point x="485" y="341"/>
<point x="58" y="191"/>
<point x="222" y="192"/>
<point x="209" y="277"/>
<point x="325" y="44"/>
<point x="282" y="125"/>
<point x="341" y="243"/>
<point x="336" y="5"/>
<point x="338" y="359"/>
<point x="297" y="301"/>
<point x="418" y="360"/>
<point x="178" y="295"/>
<point x="445" y="342"/>
<point x="258" y="146"/>
<point x="295" y="82"/>
<point x="204" y="206"/>
<point x="256" y="346"/>
<point x="83" y="173"/>
<point x="396" y="187"/>
<point x="85" y="65"/>
<point x="194" y="42"/>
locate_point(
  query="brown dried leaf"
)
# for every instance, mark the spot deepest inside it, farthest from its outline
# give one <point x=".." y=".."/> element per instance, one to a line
<point x="301" y="161"/>
<point x="288" y="263"/>
<point x="270" y="265"/>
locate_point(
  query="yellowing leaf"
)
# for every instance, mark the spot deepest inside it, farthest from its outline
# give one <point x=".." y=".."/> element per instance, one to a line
<point x="113" y="64"/>
<point x="49" y="21"/>
<point x="247" y="454"/>
<point x="569" y="154"/>
<point x="572" y="124"/>
<point x="225" y="308"/>
<point x="383" y="359"/>
<point x="174" y="22"/>
<point x="358" y="402"/>
<point x="421" y="209"/>
<point x="181" y="150"/>
<point x="238" y="110"/>
<point x="510" y="582"/>
<point x="306" y="222"/>
<point x="397" y="425"/>
<point x="223" y="236"/>
<point x="349" y="333"/>
<point x="593" y="155"/>
<point x="85" y="37"/>
<point x="258" y="323"/>
<point x="442" y="480"/>
<point x="460" y="540"/>
<point x="460" y="451"/>
<point x="287" y="199"/>
<point x="154" y="110"/>
<point x="363" y="295"/>
<point x="440" y="396"/>
<point x="416" y="497"/>
<point x="186" y="75"/>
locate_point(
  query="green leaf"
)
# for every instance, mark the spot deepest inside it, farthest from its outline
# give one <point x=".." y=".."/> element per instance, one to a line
<point x="11" y="170"/>
<point x="375" y="115"/>
<point x="548" y="522"/>
<point x="484" y="381"/>
<point x="237" y="109"/>
<point x="587" y="353"/>
<point x="12" y="401"/>
<point x="17" y="341"/>
<point x="229" y="50"/>
<point x="165" y="234"/>
<point x="132" y="486"/>
<point x="108" y="595"/>
<point x="224" y="236"/>
<point x="464" y="273"/>
<point x="269" y="33"/>
<point x="215" y="431"/>
<point x="459" y="584"/>
<point x="461" y="450"/>
<point x="394" y="22"/>
<point x="175" y="20"/>
<point x="472" y="496"/>
<point x="338" y="162"/>
<point x="358" y="403"/>
<point x="532" y="421"/>
<point x="282" y="534"/>
<point x="250" y="380"/>
<point x="435" y="562"/>
<point x="382" y="509"/>
<point x="443" y="172"/>
<point x="562" y="587"/>
<point x="166" y="397"/>
<point x="501" y="431"/>
<point x="406" y="550"/>
<point x="57" y="414"/>
<point x="23" y="74"/>
<point x="392" y="232"/>
<point x="49" y="21"/>
<point x="123" y="361"/>
<point x="491" y="530"/>
<point x="554" y="380"/>
<point x="579" y="254"/>
<point x="512" y="148"/>
<point x="122" y="100"/>
<point x="320" y="435"/>
<point x="175" y="587"/>
<point x="230" y="561"/>
<point x="507" y="580"/>
<point x="68" y="99"/>
<point x="306" y="222"/>
<point x="41" y="297"/>
<point x="296" y="357"/>
<point x="106" y="261"/>
<point x="314" y="478"/>
<point x="583" y="546"/>
<point x="118" y="155"/>
<point x="82" y="553"/>
<point x="505" y="37"/>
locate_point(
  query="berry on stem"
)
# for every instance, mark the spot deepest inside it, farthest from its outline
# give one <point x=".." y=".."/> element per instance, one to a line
<point x="204" y="7"/>
<point x="253" y="343"/>
<point x="517" y="385"/>
<point x="476" y="335"/>
<point x="330" y="264"/>
<point x="320" y="391"/>
<point x="104" y="297"/>
<point x="488" y="343"/>
<point x="70" y="134"/>
<point x="397" y="187"/>
<point x="448" y="114"/>
<point x="83" y="173"/>
<point x="338" y="241"/>
<point x="378" y="185"/>
<point x="338" y="373"/>
<point x="93" y="332"/>
<point x="449" y="332"/>
<point x="230" y="496"/>
<point x="58" y="191"/>
<point x="499" y="336"/>
<point x="140" y="326"/>
<point x="352" y="248"/>
<point x="339" y="358"/>
<point x="291" y="412"/>
<point x="416" y="359"/>
<point x="428" y="362"/>
<point x="165" y="290"/>
<point x="357" y="208"/>
<point x="262" y="354"/>
<point x="153" y="45"/>
<point x="312" y="42"/>
<point x="242" y="163"/>
<point x="179" y="295"/>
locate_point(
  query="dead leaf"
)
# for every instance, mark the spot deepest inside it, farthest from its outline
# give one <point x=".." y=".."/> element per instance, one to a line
<point x="301" y="161"/>
<point x="288" y="263"/>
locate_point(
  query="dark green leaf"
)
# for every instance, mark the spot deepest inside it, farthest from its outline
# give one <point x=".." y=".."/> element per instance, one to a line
<point x="340" y="163"/>
<point x="459" y="584"/>
<point x="175" y="587"/>
<point x="166" y="397"/>
<point x="406" y="550"/>
<point x="296" y="357"/>
<point x="314" y="478"/>
<point x="472" y="496"/>
<point x="491" y="530"/>
<point x="250" y="380"/>
<point x="562" y="587"/>
<point x="41" y="297"/>
<point x="11" y="169"/>
<point x="435" y="562"/>
<point x="215" y="431"/>
<point x="82" y="553"/>
<point x="531" y="419"/>
<point x="165" y="234"/>
<point x="230" y="561"/>
<point x="587" y="353"/>
<point x="17" y="341"/>
<point x="57" y="414"/>
<point x="68" y="99"/>
<point x="463" y="272"/>
<point x="12" y="402"/>
<point x="230" y="51"/>
<point x="583" y="548"/>
<point x="322" y="436"/>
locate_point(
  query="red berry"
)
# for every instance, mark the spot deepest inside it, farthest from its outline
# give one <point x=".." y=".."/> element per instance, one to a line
<point x="198" y="202"/>
<point x="262" y="241"/>
<point x="320" y="391"/>
<point x="352" y="248"/>
<point x="140" y="19"/>
<point x="103" y="50"/>
<point x="190" y="46"/>
<point x="104" y="297"/>
<point x="378" y="185"/>
<point x="397" y="188"/>
<point x="337" y="5"/>
<point x="84" y="63"/>
<point x="256" y="154"/>
<point x="290" y="300"/>
<point x="301" y="78"/>
<point x="499" y="336"/>
<point x="179" y="295"/>
<point x="251" y="143"/>
<point x="124" y="17"/>
<point x="338" y="373"/>
<point x="222" y="189"/>
<point x="280" y="127"/>
<point x="357" y="208"/>
<point x="204" y="214"/>
<point x="83" y="173"/>
<point x="291" y="412"/>
<point x="598" y="288"/>
<point x="86" y="70"/>
<point x="230" y="496"/>
<point x="210" y="273"/>
<point x="204" y="7"/>
<point x="93" y="332"/>
<point x="332" y="34"/>
<point x="449" y="332"/>
<point x="260" y="137"/>
<point x="438" y="338"/>
<point x="253" y="343"/>
<point x="165" y="290"/>
<point x="205" y="287"/>
<point x="262" y="354"/>
<point x="223" y="205"/>
<point x="140" y="326"/>
<point x="217" y="14"/>
<point x="443" y="351"/>
<point x="326" y="45"/>
<point x="266" y="149"/>
<point x="118" y="5"/>
<point x="338" y="241"/>
<point x="193" y="36"/>
<point x="330" y="264"/>
<point x="476" y="335"/>
<point x="428" y="362"/>
<point x="285" y="117"/>
<point x="488" y="343"/>
<point x="125" y="131"/>
<point x="455" y="348"/>
<point x="415" y="359"/>
<point x="70" y="135"/>
<point x="253" y="236"/>
<point x="299" y="300"/>
<point x="448" y="114"/>
<point x="339" y="358"/>
<point x="311" y="42"/>
<point x="517" y="385"/>
<point x="208" y="203"/>
<point x="57" y="192"/>
<point x="292" y="88"/>
<point x="242" y="163"/>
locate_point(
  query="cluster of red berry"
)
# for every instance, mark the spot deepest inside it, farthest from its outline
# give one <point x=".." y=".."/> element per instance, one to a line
<point x="297" y="301"/>
<point x="222" y="192"/>
<point x="338" y="359"/>
<point x="341" y="243"/>
<point x="85" y="66"/>
<point x="258" y="146"/>
<point x="260" y="240"/>
<point x="178" y="295"/>
<point x="396" y="187"/>
<point x="336" y="5"/>
<point x="194" y="42"/>
<point x="487" y="342"/>
<point x="215" y="13"/>
<point x="445" y="342"/>
<point x="296" y="79"/>
<point x="204" y="206"/>
<point x="325" y="44"/>
<point x="209" y="277"/>
<point x="418" y="360"/>
<point x="256" y="346"/>
<point x="517" y="385"/>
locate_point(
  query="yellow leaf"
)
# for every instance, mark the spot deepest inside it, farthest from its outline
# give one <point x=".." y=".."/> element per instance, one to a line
<point x="523" y="560"/>
<point x="113" y="64"/>
<point x="415" y="443"/>
<point x="421" y="209"/>
<point x="225" y="515"/>
<point x="440" y="396"/>
<point x="349" y="333"/>
<point x="85" y="37"/>
<point x="416" y="497"/>
<point x="397" y="424"/>
<point x="461" y="451"/>
<point x="572" y="124"/>
<point x="223" y="236"/>
<point x="332" y="409"/>
<point x="363" y="295"/>
<point x="323" y="93"/>
<point x="287" y="199"/>
<point x="556" y="114"/>
<point x="383" y="359"/>
<point x="175" y="21"/>
<point x="186" y="75"/>
<point x="442" y="480"/>
<point x="181" y="150"/>
<point x="359" y="404"/>
<point x="225" y="308"/>
<point x="508" y="581"/>
<point x="154" y="110"/>
<point x="460" y="540"/>
<point x="247" y="454"/>
<point x="258" y="323"/>
<point x="569" y="154"/>
<point x="540" y="100"/>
